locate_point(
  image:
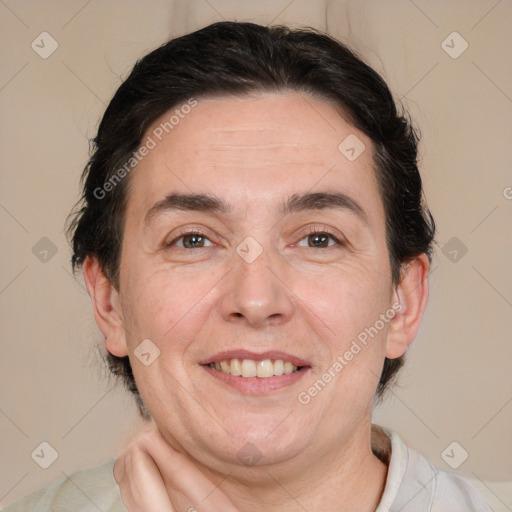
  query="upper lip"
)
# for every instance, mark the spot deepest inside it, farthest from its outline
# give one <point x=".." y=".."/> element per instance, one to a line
<point x="247" y="354"/>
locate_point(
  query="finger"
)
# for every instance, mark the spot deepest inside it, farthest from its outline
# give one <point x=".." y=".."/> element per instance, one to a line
<point x="183" y="477"/>
<point x="141" y="484"/>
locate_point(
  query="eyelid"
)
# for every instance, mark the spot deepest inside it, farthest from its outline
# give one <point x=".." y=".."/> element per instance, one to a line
<point x="338" y="238"/>
<point x="186" y="232"/>
<point x="331" y="232"/>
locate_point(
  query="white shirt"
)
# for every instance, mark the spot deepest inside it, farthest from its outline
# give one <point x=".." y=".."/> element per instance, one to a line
<point x="413" y="484"/>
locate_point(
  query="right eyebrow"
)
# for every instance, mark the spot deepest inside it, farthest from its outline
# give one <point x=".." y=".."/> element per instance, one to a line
<point x="188" y="202"/>
<point x="294" y="204"/>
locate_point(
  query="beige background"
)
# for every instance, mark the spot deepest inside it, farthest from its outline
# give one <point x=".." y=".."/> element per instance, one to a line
<point x="457" y="385"/>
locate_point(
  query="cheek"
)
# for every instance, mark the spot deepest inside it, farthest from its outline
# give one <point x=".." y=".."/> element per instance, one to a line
<point x="347" y="299"/>
<point x="346" y="311"/>
<point x="164" y="306"/>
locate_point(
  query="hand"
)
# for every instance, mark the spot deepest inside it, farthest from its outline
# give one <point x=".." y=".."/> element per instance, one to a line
<point x="154" y="477"/>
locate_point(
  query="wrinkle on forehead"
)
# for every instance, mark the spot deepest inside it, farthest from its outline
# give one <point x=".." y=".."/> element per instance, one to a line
<point x="257" y="155"/>
<point x="234" y="147"/>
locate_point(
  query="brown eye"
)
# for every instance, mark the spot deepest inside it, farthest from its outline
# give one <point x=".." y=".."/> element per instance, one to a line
<point x="320" y="240"/>
<point x="191" y="241"/>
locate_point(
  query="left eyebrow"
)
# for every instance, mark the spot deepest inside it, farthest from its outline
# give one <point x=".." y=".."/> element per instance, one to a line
<point x="321" y="201"/>
<point x="296" y="203"/>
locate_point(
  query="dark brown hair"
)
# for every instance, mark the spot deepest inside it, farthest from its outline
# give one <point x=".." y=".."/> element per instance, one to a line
<point x="231" y="58"/>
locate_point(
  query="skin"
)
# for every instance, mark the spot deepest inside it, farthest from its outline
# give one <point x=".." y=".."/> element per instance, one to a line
<point x="306" y="300"/>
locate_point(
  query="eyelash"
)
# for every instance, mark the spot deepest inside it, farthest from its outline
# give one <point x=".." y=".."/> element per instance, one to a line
<point x="323" y="231"/>
<point x="191" y="232"/>
<point x="311" y="231"/>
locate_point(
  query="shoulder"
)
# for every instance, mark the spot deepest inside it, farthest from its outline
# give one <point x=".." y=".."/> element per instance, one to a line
<point x="414" y="484"/>
<point x="87" y="490"/>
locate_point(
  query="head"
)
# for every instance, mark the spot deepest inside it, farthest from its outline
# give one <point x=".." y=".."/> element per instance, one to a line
<point x="287" y="157"/>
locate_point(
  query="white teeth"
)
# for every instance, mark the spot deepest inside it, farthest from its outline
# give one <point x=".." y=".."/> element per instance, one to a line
<point x="278" y="367"/>
<point x="236" y="367"/>
<point x="288" y="368"/>
<point x="265" y="368"/>
<point x="250" y="368"/>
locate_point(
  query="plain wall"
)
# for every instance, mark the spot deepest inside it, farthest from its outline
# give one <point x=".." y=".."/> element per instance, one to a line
<point x="457" y="384"/>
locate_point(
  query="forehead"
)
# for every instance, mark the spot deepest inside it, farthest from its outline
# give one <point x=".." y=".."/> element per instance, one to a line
<point x="253" y="150"/>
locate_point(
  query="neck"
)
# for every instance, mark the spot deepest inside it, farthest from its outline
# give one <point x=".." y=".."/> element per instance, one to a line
<point x="345" y="477"/>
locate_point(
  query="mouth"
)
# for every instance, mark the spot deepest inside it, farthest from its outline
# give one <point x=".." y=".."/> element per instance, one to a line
<point x="248" y="368"/>
<point x="256" y="373"/>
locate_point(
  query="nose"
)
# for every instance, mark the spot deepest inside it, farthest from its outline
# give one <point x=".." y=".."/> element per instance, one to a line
<point x="256" y="293"/>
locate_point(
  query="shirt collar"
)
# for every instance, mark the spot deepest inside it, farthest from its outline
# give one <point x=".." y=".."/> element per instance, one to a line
<point x="389" y="447"/>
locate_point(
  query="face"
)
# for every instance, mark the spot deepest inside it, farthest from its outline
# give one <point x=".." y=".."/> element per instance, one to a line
<point x="282" y="256"/>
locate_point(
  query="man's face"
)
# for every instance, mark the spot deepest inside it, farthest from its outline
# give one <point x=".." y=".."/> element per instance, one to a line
<point x="299" y="283"/>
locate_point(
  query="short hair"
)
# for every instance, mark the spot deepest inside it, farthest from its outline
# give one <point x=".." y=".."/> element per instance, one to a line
<point x="238" y="59"/>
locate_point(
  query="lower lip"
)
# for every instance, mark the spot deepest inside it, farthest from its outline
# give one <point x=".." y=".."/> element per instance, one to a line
<point x="256" y="385"/>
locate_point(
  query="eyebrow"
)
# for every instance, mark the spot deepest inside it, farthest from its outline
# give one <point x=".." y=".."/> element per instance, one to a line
<point x="296" y="203"/>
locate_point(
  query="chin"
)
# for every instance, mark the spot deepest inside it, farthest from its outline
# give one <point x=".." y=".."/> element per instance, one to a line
<point x="255" y="445"/>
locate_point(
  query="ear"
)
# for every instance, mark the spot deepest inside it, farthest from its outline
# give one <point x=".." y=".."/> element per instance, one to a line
<point x="106" y="305"/>
<point x="410" y="300"/>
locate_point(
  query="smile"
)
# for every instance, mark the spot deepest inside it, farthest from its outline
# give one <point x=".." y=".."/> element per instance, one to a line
<point x="256" y="373"/>
<point x="248" y="368"/>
